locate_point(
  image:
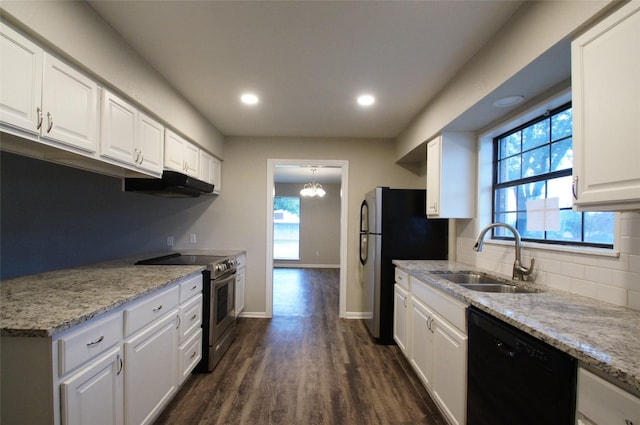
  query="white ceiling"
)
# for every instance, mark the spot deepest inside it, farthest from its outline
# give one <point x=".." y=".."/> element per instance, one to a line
<point x="307" y="60"/>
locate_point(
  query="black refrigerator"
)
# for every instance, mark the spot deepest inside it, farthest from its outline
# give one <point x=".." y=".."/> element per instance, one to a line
<point x="394" y="226"/>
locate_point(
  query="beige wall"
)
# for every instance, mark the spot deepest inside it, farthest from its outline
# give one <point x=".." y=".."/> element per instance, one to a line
<point x="319" y="226"/>
<point x="534" y="29"/>
<point x="76" y="31"/>
<point x="237" y="219"/>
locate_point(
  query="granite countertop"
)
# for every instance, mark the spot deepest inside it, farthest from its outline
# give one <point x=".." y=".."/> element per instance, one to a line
<point x="604" y="336"/>
<point x="45" y="304"/>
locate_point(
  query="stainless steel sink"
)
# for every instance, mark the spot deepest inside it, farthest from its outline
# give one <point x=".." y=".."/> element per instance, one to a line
<point x="485" y="283"/>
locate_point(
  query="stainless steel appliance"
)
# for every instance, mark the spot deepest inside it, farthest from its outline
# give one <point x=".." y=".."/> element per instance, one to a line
<point x="394" y="225"/>
<point x="219" y="321"/>
<point x="514" y="378"/>
<point x="171" y="185"/>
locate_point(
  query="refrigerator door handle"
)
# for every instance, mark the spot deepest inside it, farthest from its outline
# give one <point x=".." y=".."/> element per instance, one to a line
<point x="363" y="248"/>
<point x="364" y="217"/>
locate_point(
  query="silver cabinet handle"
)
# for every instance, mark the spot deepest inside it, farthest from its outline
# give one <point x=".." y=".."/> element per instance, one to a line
<point x="628" y="422"/>
<point x="120" y="364"/>
<point x="194" y="316"/>
<point x="193" y="355"/>
<point x="574" y="187"/>
<point x="39" y="112"/>
<point x="194" y="287"/>
<point x="141" y="158"/>
<point x="95" y="341"/>
<point x="179" y="321"/>
<point x="157" y="308"/>
<point x="136" y="156"/>
<point x="50" y="120"/>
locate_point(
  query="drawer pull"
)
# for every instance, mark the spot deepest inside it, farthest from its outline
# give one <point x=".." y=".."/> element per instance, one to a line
<point x="120" y="364"/>
<point x="157" y="308"/>
<point x="95" y="341"/>
<point x="195" y="354"/>
<point x="194" y="316"/>
<point x="194" y="287"/>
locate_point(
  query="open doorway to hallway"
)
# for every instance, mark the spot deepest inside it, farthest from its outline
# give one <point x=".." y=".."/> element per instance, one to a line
<point x="312" y="229"/>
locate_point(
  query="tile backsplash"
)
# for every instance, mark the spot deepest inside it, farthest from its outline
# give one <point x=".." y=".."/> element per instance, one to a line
<point x="604" y="276"/>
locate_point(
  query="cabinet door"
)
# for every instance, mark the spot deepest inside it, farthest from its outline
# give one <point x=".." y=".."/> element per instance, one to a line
<point x="450" y="375"/>
<point x="150" y="144"/>
<point x="151" y="372"/>
<point x="118" y="129"/>
<point x="70" y="106"/>
<point x="606" y="106"/>
<point x="94" y="395"/>
<point x="422" y="342"/>
<point x="192" y="159"/>
<point x="174" y="151"/>
<point x="206" y="167"/>
<point x="20" y="80"/>
<point x="433" y="177"/>
<point x="400" y="322"/>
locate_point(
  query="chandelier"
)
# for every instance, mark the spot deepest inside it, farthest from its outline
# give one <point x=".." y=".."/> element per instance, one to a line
<point x="313" y="189"/>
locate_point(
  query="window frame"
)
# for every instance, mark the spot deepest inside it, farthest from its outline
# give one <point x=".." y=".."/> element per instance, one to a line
<point x="545" y="177"/>
<point x="297" y="258"/>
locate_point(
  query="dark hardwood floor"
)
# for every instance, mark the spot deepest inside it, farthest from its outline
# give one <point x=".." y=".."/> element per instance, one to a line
<point x="305" y="366"/>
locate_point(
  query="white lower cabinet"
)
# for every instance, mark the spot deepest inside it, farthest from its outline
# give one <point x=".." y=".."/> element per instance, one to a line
<point x="400" y="313"/>
<point x="437" y="346"/>
<point x="94" y="395"/>
<point x="150" y="376"/>
<point x="602" y="403"/>
<point x="121" y="367"/>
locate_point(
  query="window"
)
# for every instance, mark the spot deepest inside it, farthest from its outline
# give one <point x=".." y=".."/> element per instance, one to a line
<point x="534" y="161"/>
<point x="286" y="228"/>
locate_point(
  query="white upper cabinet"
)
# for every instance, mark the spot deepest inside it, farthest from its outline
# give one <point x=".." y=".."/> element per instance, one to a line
<point x="605" y="63"/>
<point x="150" y="144"/>
<point x="43" y="96"/>
<point x="181" y="155"/>
<point x="21" y="81"/>
<point x="210" y="170"/>
<point x="451" y="181"/>
<point x="69" y="105"/>
<point x="129" y="136"/>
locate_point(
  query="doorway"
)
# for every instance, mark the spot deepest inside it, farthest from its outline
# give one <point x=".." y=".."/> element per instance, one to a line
<point x="273" y="167"/>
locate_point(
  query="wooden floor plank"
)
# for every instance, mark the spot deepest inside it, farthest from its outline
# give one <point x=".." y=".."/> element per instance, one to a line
<point x="304" y="366"/>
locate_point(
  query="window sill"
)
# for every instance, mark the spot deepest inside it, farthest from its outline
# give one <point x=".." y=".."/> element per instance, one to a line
<point x="600" y="252"/>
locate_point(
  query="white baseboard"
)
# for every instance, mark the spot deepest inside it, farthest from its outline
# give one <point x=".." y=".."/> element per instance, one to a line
<point x="305" y="266"/>
<point x="358" y="315"/>
<point x="254" y="315"/>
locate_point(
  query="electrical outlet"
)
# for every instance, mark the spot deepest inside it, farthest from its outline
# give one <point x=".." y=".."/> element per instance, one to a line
<point x="169" y="240"/>
<point x="192" y="238"/>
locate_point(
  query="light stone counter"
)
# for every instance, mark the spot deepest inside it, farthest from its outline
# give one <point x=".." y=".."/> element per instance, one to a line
<point x="604" y="336"/>
<point x="45" y="304"/>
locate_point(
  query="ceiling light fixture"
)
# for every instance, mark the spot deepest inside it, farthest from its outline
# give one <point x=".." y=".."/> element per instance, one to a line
<point x="503" y="102"/>
<point x="249" y="99"/>
<point x="313" y="189"/>
<point x="366" y="100"/>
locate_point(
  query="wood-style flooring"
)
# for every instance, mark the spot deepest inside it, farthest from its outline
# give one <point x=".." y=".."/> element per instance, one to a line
<point x="305" y="366"/>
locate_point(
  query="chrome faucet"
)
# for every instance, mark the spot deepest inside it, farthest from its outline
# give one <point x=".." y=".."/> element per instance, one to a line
<point x="519" y="271"/>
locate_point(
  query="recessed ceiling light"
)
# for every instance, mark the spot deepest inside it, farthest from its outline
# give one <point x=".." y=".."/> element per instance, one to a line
<point x="249" y="99"/>
<point x="366" y="100"/>
<point x="508" y="101"/>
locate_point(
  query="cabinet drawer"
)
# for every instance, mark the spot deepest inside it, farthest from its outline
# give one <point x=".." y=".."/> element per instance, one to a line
<point x="402" y="278"/>
<point x="190" y="355"/>
<point x="190" y="287"/>
<point x="452" y="310"/>
<point x="190" y="317"/>
<point x="150" y="309"/>
<point x="603" y="403"/>
<point x="89" y="341"/>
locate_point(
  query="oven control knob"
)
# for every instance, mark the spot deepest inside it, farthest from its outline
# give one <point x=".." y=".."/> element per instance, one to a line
<point x="219" y="267"/>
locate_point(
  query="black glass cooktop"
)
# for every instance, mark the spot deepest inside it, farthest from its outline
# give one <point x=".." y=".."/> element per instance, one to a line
<point x="178" y="259"/>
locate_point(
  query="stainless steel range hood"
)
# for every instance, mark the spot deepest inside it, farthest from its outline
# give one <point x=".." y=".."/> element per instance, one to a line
<point x="171" y="185"/>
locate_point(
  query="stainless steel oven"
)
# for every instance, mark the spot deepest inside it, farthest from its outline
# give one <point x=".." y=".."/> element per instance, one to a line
<point x="222" y="317"/>
<point x="218" y="290"/>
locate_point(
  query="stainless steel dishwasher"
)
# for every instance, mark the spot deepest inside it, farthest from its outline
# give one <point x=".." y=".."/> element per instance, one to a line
<point x="514" y="378"/>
